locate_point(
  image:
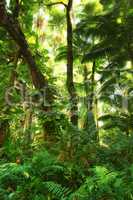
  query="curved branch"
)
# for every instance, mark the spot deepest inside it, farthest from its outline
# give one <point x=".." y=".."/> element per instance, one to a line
<point x="13" y="28"/>
<point x="56" y="3"/>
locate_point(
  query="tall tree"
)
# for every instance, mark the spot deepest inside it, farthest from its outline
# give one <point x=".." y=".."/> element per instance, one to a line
<point x="11" y="24"/>
<point x="70" y="82"/>
<point x="70" y="62"/>
<point x="13" y="27"/>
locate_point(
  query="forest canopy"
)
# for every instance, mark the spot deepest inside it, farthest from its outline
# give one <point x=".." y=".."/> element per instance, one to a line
<point x="66" y="100"/>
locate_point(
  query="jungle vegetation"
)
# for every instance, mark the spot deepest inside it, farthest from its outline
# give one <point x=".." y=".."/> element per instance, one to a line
<point x="66" y="100"/>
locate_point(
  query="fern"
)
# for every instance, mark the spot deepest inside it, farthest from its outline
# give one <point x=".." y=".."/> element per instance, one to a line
<point x="57" y="190"/>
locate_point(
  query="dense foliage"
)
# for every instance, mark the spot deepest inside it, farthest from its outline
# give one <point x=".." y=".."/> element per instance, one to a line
<point x="66" y="112"/>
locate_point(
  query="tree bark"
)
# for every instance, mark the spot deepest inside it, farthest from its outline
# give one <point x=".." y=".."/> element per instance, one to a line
<point x="92" y="86"/>
<point x="86" y="87"/>
<point x="13" y="28"/>
<point x="11" y="24"/>
<point x="70" y="83"/>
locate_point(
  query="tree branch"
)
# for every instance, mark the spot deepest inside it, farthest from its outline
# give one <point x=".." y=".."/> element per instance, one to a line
<point x="13" y="28"/>
<point x="56" y="3"/>
<point x="70" y="3"/>
<point x="16" y="9"/>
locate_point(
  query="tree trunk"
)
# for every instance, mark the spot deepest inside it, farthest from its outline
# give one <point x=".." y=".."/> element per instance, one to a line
<point x="86" y="87"/>
<point x="90" y="118"/>
<point x="89" y="92"/>
<point x="13" y="28"/>
<point x="70" y="83"/>
<point x="92" y="86"/>
<point x="40" y="82"/>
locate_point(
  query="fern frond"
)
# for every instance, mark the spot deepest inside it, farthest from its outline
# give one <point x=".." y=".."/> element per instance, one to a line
<point x="56" y="189"/>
